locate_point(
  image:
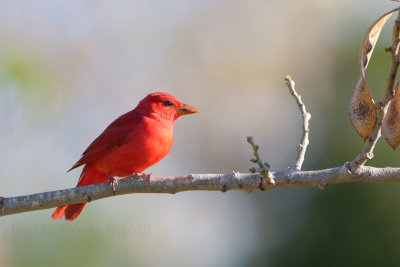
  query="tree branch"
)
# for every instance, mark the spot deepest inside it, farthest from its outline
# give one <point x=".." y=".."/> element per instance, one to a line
<point x="263" y="166"/>
<point x="301" y="149"/>
<point x="210" y="182"/>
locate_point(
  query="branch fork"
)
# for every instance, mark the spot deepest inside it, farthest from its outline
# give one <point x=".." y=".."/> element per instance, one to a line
<point x="264" y="167"/>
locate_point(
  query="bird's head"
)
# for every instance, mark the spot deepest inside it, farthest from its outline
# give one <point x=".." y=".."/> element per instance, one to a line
<point x="165" y="106"/>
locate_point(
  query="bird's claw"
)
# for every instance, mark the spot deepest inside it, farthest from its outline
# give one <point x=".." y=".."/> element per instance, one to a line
<point x="113" y="182"/>
<point x="148" y="176"/>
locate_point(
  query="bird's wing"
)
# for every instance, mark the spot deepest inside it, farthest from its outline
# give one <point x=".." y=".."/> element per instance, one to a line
<point x="110" y="139"/>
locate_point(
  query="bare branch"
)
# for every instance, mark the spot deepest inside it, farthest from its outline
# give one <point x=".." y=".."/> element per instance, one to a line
<point x="301" y="149"/>
<point x="263" y="166"/>
<point x="210" y="182"/>
<point x="381" y="106"/>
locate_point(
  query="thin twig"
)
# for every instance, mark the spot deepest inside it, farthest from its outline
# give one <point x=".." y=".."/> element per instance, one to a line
<point x="263" y="165"/>
<point x="301" y="149"/>
<point x="381" y="106"/>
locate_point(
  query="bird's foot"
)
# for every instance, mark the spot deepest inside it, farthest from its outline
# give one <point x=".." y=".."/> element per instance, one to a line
<point x="148" y="176"/>
<point x="113" y="182"/>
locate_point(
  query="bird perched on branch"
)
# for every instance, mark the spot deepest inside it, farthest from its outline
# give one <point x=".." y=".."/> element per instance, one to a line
<point x="130" y="144"/>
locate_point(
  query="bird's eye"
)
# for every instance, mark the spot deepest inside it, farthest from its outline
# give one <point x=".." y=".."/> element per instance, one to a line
<point x="167" y="103"/>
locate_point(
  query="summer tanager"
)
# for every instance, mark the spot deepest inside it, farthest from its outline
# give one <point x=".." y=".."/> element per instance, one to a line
<point x="130" y="144"/>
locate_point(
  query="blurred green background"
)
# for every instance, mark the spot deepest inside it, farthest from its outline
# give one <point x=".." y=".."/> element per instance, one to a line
<point x="68" y="68"/>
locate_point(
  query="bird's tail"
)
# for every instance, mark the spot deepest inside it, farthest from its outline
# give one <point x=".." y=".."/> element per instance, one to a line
<point x="71" y="212"/>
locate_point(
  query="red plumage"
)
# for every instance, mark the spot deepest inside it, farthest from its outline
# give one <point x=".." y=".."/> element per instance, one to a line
<point x="130" y="144"/>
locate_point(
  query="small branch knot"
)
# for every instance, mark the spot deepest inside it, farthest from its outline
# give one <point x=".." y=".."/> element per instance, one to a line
<point x="347" y="166"/>
<point x="353" y="169"/>
<point x="235" y="174"/>
<point x="261" y="186"/>
<point x="224" y="188"/>
<point x="323" y="185"/>
<point x="88" y="197"/>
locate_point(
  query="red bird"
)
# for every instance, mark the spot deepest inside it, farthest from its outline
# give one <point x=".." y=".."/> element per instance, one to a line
<point x="130" y="144"/>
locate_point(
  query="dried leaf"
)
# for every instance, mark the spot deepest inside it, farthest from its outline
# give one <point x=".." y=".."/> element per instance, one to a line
<point x="391" y="122"/>
<point x="362" y="112"/>
<point x="370" y="39"/>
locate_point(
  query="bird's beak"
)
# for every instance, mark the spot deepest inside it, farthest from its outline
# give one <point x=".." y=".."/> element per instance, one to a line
<point x="186" y="109"/>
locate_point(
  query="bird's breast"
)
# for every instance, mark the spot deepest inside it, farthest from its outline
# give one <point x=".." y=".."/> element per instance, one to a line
<point x="147" y="144"/>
